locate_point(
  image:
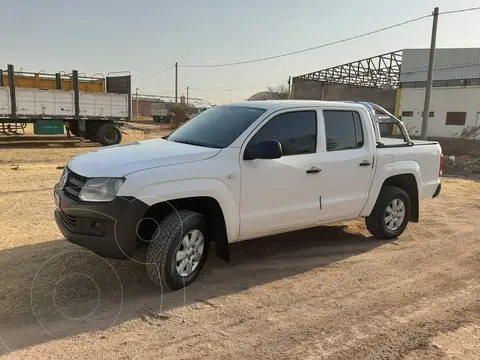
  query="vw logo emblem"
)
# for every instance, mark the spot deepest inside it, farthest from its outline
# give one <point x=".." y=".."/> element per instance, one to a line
<point x="63" y="179"/>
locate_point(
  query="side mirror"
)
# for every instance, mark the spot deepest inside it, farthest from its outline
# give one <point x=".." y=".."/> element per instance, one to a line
<point x="266" y="149"/>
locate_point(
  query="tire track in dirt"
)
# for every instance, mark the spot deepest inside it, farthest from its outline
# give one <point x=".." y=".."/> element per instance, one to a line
<point x="336" y="295"/>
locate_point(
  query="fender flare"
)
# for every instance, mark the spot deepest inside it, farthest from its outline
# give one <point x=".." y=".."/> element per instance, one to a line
<point x="188" y="188"/>
<point x="387" y="171"/>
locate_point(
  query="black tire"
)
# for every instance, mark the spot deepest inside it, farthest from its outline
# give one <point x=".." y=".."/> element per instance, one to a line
<point x="376" y="220"/>
<point x="108" y="134"/>
<point x="162" y="251"/>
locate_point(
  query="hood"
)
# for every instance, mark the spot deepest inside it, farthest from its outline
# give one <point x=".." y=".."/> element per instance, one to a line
<point x="120" y="160"/>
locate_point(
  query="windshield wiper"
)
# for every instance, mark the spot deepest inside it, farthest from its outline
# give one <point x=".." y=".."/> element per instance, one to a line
<point x="193" y="143"/>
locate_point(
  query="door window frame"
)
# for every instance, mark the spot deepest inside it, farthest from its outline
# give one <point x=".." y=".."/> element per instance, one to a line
<point x="273" y="115"/>
<point x="362" y="128"/>
<point x="364" y="119"/>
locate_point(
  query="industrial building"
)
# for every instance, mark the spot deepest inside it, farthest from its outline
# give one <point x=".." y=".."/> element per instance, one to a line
<point x="397" y="81"/>
<point x="455" y="99"/>
<point x="373" y="79"/>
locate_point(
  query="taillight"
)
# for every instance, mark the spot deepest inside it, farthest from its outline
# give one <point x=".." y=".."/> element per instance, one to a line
<point x="442" y="163"/>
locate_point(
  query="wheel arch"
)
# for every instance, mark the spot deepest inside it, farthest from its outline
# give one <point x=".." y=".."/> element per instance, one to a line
<point x="208" y="196"/>
<point x="408" y="183"/>
<point x="403" y="174"/>
<point x="208" y="206"/>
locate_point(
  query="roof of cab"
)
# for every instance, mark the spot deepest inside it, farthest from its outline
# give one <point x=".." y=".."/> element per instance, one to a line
<point x="273" y="105"/>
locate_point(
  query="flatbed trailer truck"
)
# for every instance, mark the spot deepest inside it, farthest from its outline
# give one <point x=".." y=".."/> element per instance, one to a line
<point x="87" y="109"/>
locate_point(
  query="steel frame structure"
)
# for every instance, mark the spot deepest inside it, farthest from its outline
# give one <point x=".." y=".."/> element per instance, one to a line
<point x="375" y="72"/>
<point x="198" y="102"/>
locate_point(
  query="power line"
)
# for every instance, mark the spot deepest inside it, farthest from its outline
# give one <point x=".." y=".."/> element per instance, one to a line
<point x="331" y="43"/>
<point x="226" y="88"/>
<point x="459" y="11"/>
<point x="311" y="48"/>
<point x="158" y="73"/>
<point x="166" y="91"/>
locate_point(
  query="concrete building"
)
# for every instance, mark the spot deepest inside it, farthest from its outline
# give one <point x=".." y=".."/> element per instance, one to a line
<point x="455" y="100"/>
<point x="397" y="81"/>
<point x="314" y="90"/>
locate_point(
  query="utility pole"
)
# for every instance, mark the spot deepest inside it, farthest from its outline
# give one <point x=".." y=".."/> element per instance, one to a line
<point x="187" y="97"/>
<point x="431" y="64"/>
<point x="176" y="83"/>
<point x="136" y="102"/>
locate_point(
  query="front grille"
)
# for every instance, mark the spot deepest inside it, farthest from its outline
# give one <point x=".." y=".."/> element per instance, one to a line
<point x="68" y="220"/>
<point x="74" y="184"/>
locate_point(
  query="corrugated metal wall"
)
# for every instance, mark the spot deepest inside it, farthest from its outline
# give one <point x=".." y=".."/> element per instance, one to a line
<point x="450" y="64"/>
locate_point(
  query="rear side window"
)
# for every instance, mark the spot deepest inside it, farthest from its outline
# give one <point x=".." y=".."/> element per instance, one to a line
<point x="343" y="130"/>
<point x="296" y="131"/>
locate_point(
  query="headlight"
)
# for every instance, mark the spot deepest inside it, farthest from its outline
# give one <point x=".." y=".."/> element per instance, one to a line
<point x="63" y="177"/>
<point x="100" y="189"/>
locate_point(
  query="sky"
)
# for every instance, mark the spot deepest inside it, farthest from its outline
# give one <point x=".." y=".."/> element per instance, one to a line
<point x="148" y="36"/>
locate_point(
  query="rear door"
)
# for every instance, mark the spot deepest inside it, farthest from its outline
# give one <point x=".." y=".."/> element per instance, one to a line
<point x="347" y="162"/>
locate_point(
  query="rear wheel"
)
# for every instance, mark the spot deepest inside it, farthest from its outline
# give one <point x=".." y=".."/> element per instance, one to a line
<point x="108" y="134"/>
<point x="178" y="250"/>
<point x="391" y="213"/>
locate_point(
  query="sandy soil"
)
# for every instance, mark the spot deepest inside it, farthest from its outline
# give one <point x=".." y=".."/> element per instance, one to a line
<point x="326" y="293"/>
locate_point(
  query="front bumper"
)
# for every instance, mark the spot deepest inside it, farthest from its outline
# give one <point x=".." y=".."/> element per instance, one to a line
<point x="108" y="229"/>
<point x="437" y="192"/>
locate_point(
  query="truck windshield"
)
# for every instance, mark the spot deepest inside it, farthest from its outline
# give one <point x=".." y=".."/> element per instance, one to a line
<point x="216" y="127"/>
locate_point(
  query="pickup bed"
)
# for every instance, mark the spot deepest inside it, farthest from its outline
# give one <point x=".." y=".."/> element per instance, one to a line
<point x="243" y="171"/>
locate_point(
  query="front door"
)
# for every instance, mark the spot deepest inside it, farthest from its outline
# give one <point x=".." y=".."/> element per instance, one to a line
<point x="282" y="194"/>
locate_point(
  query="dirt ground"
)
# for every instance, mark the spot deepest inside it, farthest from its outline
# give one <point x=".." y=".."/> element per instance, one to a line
<point x="327" y="293"/>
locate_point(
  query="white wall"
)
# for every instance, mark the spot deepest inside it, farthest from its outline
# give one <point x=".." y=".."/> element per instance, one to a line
<point x="103" y="105"/>
<point x="444" y="99"/>
<point x="32" y="102"/>
<point x="5" y="104"/>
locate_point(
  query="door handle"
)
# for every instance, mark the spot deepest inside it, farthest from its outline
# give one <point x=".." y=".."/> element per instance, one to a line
<point x="365" y="163"/>
<point x="313" y="170"/>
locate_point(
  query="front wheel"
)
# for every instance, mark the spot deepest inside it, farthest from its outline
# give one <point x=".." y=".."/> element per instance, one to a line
<point x="391" y="213"/>
<point x="178" y="250"/>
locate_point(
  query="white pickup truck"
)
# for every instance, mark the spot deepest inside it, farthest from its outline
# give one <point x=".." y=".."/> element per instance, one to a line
<point x="243" y="171"/>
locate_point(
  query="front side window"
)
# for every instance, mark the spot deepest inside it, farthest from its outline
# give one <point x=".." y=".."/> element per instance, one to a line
<point x="343" y="130"/>
<point x="296" y="131"/>
<point x="216" y="127"/>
